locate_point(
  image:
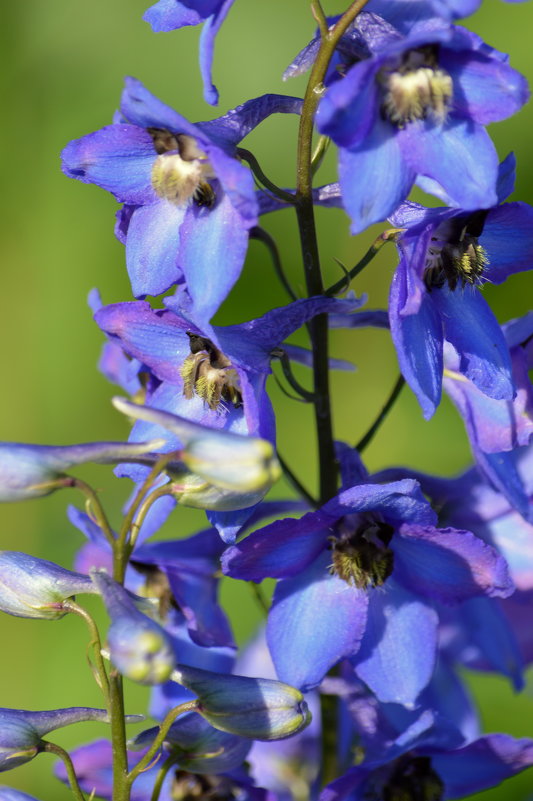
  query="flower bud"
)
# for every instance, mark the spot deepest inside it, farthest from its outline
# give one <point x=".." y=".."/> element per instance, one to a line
<point x="30" y="471"/>
<point x="261" y="709"/>
<point x="197" y="746"/>
<point x="139" y="647"/>
<point x="21" y="731"/>
<point x="226" y="460"/>
<point x="9" y="794"/>
<point x="36" y="588"/>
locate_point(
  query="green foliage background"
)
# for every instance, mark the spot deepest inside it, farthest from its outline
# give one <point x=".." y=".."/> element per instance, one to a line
<point x="62" y="70"/>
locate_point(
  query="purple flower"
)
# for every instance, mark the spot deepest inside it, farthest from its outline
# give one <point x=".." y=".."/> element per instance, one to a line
<point x="189" y="202"/>
<point x="416" y="105"/>
<point x="167" y="15"/>
<point x="444" y="255"/>
<point x="348" y="576"/>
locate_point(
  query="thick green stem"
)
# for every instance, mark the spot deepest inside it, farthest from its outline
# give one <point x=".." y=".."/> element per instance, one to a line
<point x="318" y="327"/>
<point x="52" y="748"/>
<point x="160" y="738"/>
<point x="121" y="788"/>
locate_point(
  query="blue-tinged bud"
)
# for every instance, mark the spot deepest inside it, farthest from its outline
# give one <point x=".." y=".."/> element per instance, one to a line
<point x="261" y="709"/>
<point x="230" y="462"/>
<point x="197" y="746"/>
<point x="30" y="471"/>
<point x="138" y="646"/>
<point x="31" y="587"/>
<point x="9" y="794"/>
<point x="21" y="732"/>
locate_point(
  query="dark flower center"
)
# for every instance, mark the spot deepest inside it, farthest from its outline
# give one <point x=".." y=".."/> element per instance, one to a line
<point x="156" y="585"/>
<point x="208" y="373"/>
<point x="412" y="779"/>
<point x="415" y="88"/>
<point x="193" y="787"/>
<point x="455" y="255"/>
<point x="361" y="558"/>
<point x="179" y="173"/>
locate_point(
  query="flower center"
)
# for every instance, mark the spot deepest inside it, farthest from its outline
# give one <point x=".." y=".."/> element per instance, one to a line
<point x="179" y="173"/>
<point x="455" y="255"/>
<point x="194" y="787"/>
<point x="361" y="558"/>
<point x="412" y="779"/>
<point x="415" y="88"/>
<point x="208" y="372"/>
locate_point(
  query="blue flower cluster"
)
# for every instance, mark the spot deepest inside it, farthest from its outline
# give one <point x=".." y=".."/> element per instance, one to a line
<point x="388" y="584"/>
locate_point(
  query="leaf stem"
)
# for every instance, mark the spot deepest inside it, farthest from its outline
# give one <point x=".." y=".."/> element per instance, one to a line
<point x="391" y="400"/>
<point x="263" y="236"/>
<point x="343" y="283"/>
<point x="249" y="157"/>
<point x="96" y="643"/>
<point x="52" y="748"/>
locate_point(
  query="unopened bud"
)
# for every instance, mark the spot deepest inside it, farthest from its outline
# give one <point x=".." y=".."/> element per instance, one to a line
<point x="36" y="588"/>
<point x="261" y="709"/>
<point x="138" y="646"/>
<point x="197" y="746"/>
<point x="31" y="471"/>
<point x="226" y="460"/>
<point x="21" y="732"/>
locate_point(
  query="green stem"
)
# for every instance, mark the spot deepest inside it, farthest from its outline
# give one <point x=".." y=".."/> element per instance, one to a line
<point x="52" y="748"/>
<point x="103" y="682"/>
<point x="160" y="738"/>
<point x="144" y="508"/>
<point x="161" y="776"/>
<point x="318" y="326"/>
<point x="263" y="236"/>
<point x="279" y="353"/>
<point x="245" y="155"/>
<point x="369" y="436"/>
<point x="121" y="788"/>
<point x="94" y="506"/>
<point x="343" y="284"/>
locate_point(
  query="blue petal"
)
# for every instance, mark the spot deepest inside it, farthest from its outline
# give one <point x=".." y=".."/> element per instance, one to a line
<point x="240" y="121"/>
<point x="399" y="502"/>
<point x="207" y="43"/>
<point x="152" y="245"/>
<point x="449" y="565"/>
<point x="471" y="327"/>
<point x="485" y="89"/>
<point x="213" y="244"/>
<point x="316" y="620"/>
<point x="375" y="177"/>
<point x="397" y="654"/>
<point x="418" y="340"/>
<point x="144" y="109"/>
<point x="167" y="15"/>
<point x="508" y="239"/>
<point x="500" y="470"/>
<point x="455" y="148"/>
<point x="483" y="763"/>
<point x="348" y="108"/>
<point x="118" y="158"/>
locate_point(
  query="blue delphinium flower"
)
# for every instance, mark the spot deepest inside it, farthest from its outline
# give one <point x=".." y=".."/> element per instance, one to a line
<point x="167" y="15"/>
<point x="189" y="202"/>
<point x="445" y="254"/>
<point x="94" y="768"/>
<point x="359" y="580"/>
<point x="416" y="105"/>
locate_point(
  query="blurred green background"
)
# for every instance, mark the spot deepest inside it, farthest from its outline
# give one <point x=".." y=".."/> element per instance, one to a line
<point x="63" y="65"/>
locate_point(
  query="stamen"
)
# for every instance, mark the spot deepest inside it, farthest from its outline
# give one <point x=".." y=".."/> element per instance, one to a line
<point x="415" y="88"/>
<point x="455" y="256"/>
<point x="362" y="558"/>
<point x="208" y="373"/>
<point x="179" y="173"/>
